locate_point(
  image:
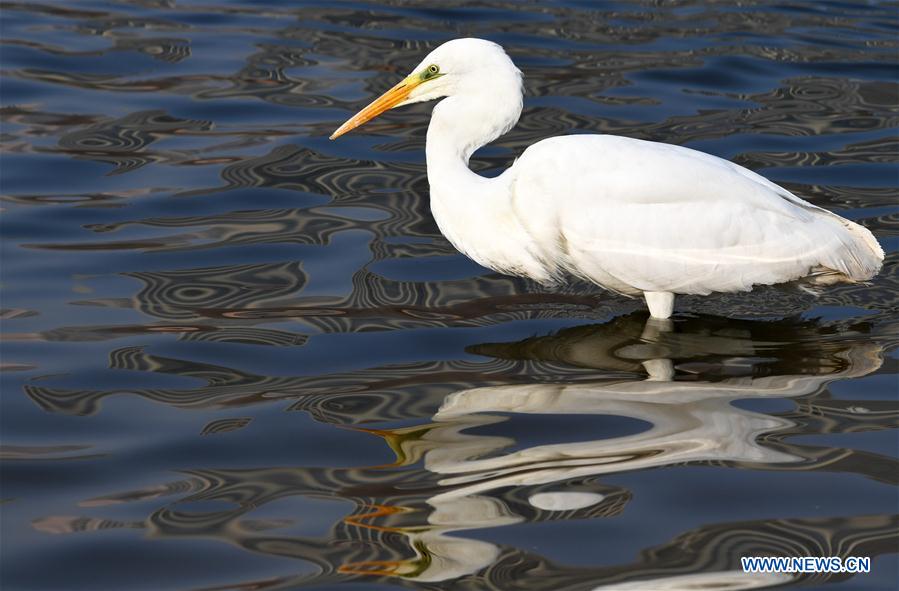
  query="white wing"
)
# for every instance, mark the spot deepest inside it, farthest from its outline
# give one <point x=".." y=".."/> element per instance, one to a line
<point x="643" y="216"/>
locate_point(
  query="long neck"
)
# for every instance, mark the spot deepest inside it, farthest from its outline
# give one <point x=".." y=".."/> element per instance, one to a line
<point x="460" y="125"/>
<point x="473" y="211"/>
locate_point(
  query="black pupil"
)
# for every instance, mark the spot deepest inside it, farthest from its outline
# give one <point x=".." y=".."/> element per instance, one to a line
<point x="433" y="69"/>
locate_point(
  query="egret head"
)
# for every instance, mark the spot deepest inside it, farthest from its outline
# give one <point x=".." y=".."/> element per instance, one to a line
<point x="460" y="66"/>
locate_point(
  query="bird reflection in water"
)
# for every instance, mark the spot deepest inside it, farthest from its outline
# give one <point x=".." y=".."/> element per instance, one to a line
<point x="691" y="420"/>
<point x="456" y="473"/>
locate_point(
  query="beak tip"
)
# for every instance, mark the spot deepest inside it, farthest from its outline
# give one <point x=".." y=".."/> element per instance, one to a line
<point x="390" y="99"/>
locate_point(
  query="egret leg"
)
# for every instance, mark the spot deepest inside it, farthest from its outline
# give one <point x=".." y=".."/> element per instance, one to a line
<point x="655" y="328"/>
<point x="661" y="303"/>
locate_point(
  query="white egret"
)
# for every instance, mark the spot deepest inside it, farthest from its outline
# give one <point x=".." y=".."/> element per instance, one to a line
<point x="631" y="216"/>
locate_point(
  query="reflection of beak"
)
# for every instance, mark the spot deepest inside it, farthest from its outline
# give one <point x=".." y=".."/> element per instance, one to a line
<point x="379" y="568"/>
<point x="386" y="101"/>
<point x="404" y="442"/>
<point x="408" y="568"/>
<point x="379" y="511"/>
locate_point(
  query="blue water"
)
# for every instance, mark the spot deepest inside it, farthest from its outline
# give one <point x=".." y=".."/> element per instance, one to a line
<point x="237" y="355"/>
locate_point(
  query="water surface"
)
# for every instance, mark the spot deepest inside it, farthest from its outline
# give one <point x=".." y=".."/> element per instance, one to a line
<point x="237" y="355"/>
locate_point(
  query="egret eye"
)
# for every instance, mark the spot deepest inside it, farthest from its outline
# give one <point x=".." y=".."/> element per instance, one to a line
<point x="433" y="69"/>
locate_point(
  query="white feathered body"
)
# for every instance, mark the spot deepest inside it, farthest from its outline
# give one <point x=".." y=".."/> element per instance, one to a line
<point x="636" y="216"/>
<point x="630" y="215"/>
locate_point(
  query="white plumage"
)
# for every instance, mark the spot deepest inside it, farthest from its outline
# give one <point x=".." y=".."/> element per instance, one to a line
<point x="632" y="216"/>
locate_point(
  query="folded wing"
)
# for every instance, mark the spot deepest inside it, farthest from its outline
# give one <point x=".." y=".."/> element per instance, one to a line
<point x="642" y="216"/>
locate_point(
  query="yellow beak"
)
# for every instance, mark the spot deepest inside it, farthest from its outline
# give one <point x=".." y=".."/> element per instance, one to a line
<point x="386" y="101"/>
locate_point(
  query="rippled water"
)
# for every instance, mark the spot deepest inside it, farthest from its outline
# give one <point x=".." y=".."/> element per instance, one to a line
<point x="239" y="356"/>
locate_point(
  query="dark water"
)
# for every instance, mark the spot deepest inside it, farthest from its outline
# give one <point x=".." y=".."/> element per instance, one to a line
<point x="239" y="356"/>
